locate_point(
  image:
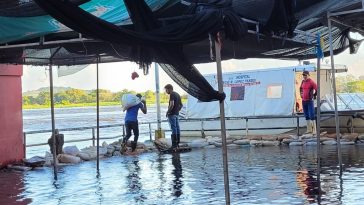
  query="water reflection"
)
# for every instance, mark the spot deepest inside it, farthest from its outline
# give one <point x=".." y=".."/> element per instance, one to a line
<point x="308" y="184"/>
<point x="134" y="181"/>
<point x="306" y="178"/>
<point x="258" y="175"/>
<point x="177" y="173"/>
<point x="161" y="176"/>
<point x="12" y="188"/>
<point x="99" y="189"/>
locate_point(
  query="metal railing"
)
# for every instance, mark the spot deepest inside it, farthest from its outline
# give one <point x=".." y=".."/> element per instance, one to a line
<point x="201" y="129"/>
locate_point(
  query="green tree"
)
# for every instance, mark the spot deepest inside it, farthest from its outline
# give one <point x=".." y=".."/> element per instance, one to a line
<point x="117" y="96"/>
<point x="149" y="95"/>
<point x="61" y="98"/>
<point x="43" y="98"/>
<point x="26" y="100"/>
<point x="360" y="86"/>
<point x="75" y="96"/>
<point x="344" y="84"/>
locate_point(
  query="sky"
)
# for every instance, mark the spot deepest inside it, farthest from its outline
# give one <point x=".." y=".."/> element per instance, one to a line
<point x="117" y="76"/>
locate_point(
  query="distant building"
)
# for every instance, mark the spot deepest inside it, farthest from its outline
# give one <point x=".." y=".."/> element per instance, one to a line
<point x="361" y="77"/>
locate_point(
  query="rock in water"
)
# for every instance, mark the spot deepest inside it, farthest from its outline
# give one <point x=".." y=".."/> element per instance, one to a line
<point x="18" y="168"/>
<point x="65" y="158"/>
<point x="347" y="143"/>
<point x="296" y="143"/>
<point x="35" y="161"/>
<point x="116" y="153"/>
<point x="198" y="144"/>
<point x="269" y="137"/>
<point x="351" y="136"/>
<point x="287" y="141"/>
<point x="242" y="142"/>
<point x="311" y="143"/>
<point x="256" y="143"/>
<point x="253" y="137"/>
<point x="281" y="137"/>
<point x="329" y="142"/>
<point x="71" y="150"/>
<point x="110" y="149"/>
<point x="87" y="156"/>
<point x="117" y="147"/>
<point x="270" y="143"/>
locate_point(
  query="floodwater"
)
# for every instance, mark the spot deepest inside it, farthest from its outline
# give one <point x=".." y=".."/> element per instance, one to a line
<point x="258" y="175"/>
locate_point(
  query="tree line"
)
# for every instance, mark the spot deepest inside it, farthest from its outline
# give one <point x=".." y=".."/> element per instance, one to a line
<point x="350" y="84"/>
<point x="345" y="84"/>
<point x="78" y="96"/>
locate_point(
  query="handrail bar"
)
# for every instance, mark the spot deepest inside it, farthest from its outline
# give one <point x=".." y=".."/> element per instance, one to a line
<point x="325" y="114"/>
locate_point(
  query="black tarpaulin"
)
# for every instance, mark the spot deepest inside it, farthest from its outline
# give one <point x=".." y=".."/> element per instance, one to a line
<point x="151" y="42"/>
<point x="182" y="30"/>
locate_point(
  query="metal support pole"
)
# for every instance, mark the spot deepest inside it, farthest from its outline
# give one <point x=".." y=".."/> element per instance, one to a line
<point x="53" y="123"/>
<point x="93" y="137"/>
<point x="298" y="126"/>
<point x="246" y="127"/>
<point x="318" y="122"/>
<point x="202" y="130"/>
<point x="335" y="97"/>
<point x="222" y="119"/>
<point x="25" y="145"/>
<point x="97" y="117"/>
<point x="157" y="95"/>
<point x="150" y="131"/>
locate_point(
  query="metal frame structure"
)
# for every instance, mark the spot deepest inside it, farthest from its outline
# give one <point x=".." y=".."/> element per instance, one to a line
<point x="97" y="119"/>
<point x="302" y="37"/>
<point x="157" y="94"/>
<point x="330" y="19"/>
<point x="202" y="129"/>
<point x="222" y="121"/>
<point x="318" y="123"/>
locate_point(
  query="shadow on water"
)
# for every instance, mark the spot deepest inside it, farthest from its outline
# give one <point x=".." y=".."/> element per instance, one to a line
<point x="258" y="175"/>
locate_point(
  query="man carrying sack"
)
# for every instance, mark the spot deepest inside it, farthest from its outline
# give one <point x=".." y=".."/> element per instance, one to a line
<point x="131" y="122"/>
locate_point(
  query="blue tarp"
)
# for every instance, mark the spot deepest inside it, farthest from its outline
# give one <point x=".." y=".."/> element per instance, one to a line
<point x="22" y="28"/>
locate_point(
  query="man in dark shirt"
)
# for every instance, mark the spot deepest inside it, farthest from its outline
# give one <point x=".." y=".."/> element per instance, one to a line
<point x="131" y="122"/>
<point x="175" y="105"/>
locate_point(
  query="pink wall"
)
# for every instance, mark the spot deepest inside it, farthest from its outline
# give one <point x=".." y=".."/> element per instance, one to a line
<point x="11" y="121"/>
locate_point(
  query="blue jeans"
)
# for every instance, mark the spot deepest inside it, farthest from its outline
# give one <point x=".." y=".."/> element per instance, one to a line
<point x="174" y="124"/>
<point x="309" y="109"/>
